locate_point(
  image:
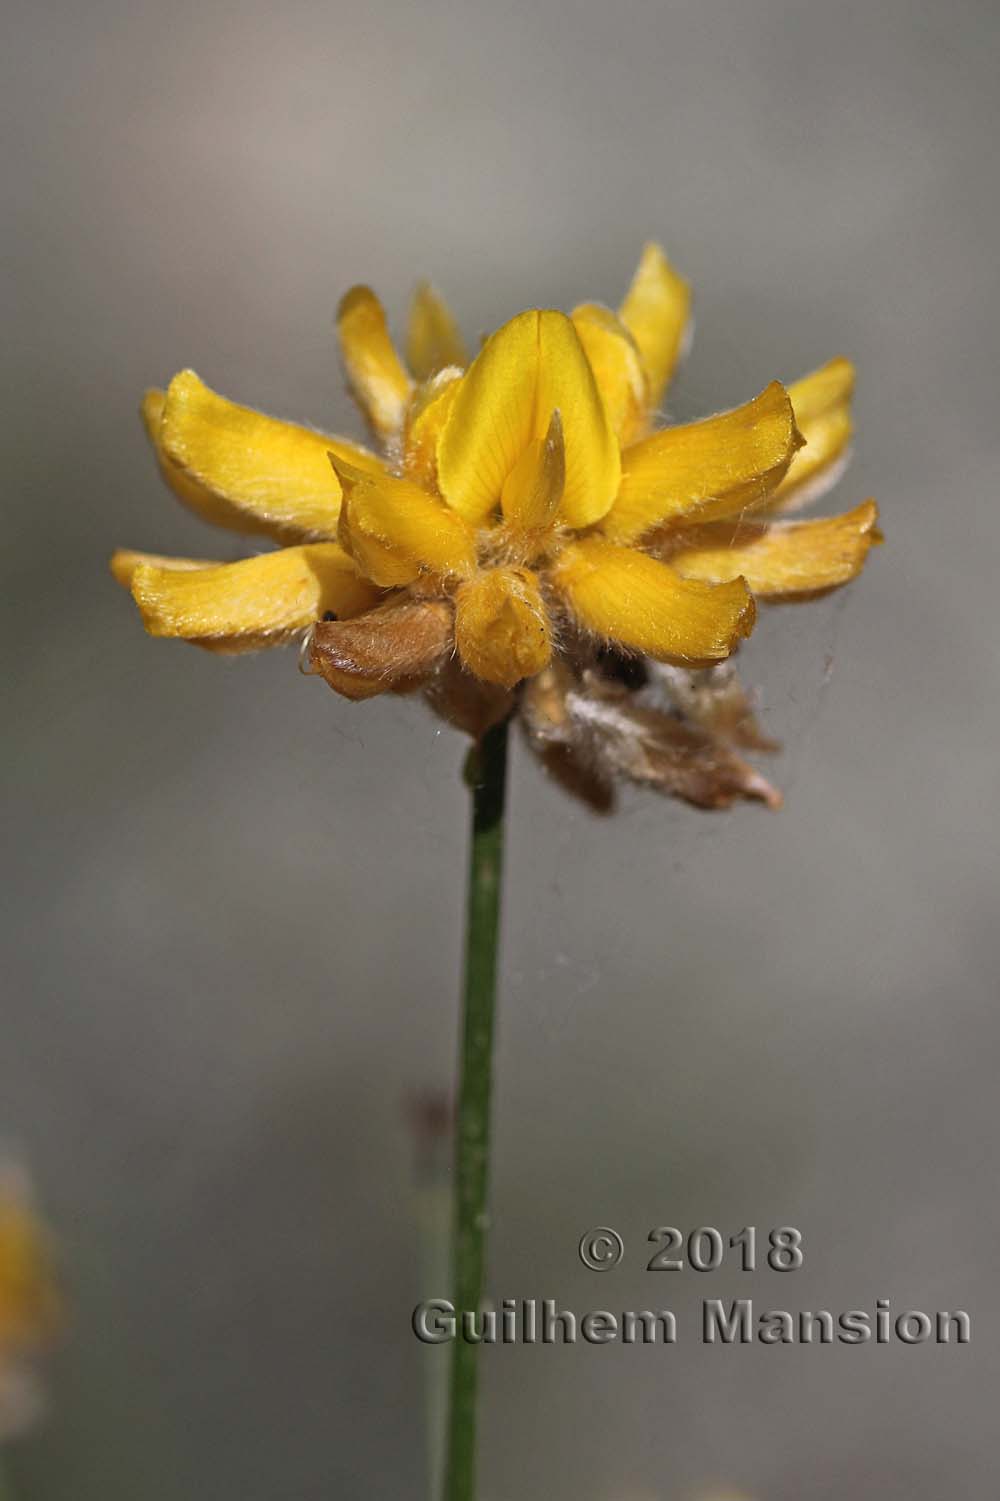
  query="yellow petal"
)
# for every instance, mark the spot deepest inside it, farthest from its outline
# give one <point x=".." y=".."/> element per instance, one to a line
<point x="638" y="602"/>
<point x="425" y="420"/>
<point x="502" y="629"/>
<point x="245" y="471"/>
<point x="31" y="1310"/>
<point x="528" y="369"/>
<point x="395" y="530"/>
<point x="566" y="384"/>
<point x="717" y="467"/>
<point x="783" y="558"/>
<point x="822" y="404"/>
<point x="124" y="562"/>
<point x="491" y="420"/>
<point x="211" y="508"/>
<point x="617" y="366"/>
<point x="656" y="311"/>
<point x="534" y="487"/>
<point x="256" y="602"/>
<point x="374" y="369"/>
<point x="433" y="340"/>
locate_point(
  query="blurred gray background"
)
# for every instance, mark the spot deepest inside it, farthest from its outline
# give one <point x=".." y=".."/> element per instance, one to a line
<point x="233" y="900"/>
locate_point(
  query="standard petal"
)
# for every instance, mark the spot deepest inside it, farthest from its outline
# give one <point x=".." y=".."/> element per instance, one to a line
<point x="502" y="628"/>
<point x="491" y="421"/>
<point x="393" y="646"/>
<point x="656" y="312"/>
<point x="702" y="470"/>
<point x="395" y="530"/>
<point x="636" y="601"/>
<point x="534" y="487"/>
<point x="528" y="369"/>
<point x="822" y="404"/>
<point x="433" y="340"/>
<point x="784" y="558"/>
<point x="234" y="607"/>
<point x="374" y="369"/>
<point x="617" y="365"/>
<point x="245" y="471"/>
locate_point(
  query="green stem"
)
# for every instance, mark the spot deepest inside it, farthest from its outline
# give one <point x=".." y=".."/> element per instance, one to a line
<point x="487" y="775"/>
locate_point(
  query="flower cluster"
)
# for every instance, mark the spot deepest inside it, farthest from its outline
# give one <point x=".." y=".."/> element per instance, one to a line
<point x="524" y="537"/>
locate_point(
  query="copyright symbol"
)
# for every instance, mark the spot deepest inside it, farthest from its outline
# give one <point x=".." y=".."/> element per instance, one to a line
<point x="601" y="1249"/>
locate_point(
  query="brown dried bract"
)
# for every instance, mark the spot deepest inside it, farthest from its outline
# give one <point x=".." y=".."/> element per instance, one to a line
<point x="466" y="702"/>
<point x="394" y="647"/>
<point x="715" y="699"/>
<point x="590" y="729"/>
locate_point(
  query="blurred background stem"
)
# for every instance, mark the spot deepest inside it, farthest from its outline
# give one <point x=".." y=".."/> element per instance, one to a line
<point x="486" y="774"/>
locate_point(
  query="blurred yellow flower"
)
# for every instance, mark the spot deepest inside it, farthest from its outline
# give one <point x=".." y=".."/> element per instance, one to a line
<point x="522" y="519"/>
<point x="30" y="1306"/>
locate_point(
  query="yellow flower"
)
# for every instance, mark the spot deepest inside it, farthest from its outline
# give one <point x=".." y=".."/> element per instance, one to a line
<point x="522" y="519"/>
<point x="30" y="1309"/>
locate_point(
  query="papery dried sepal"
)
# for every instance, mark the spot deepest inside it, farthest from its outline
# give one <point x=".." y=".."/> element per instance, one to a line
<point x="656" y="750"/>
<point x="715" y="699"/>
